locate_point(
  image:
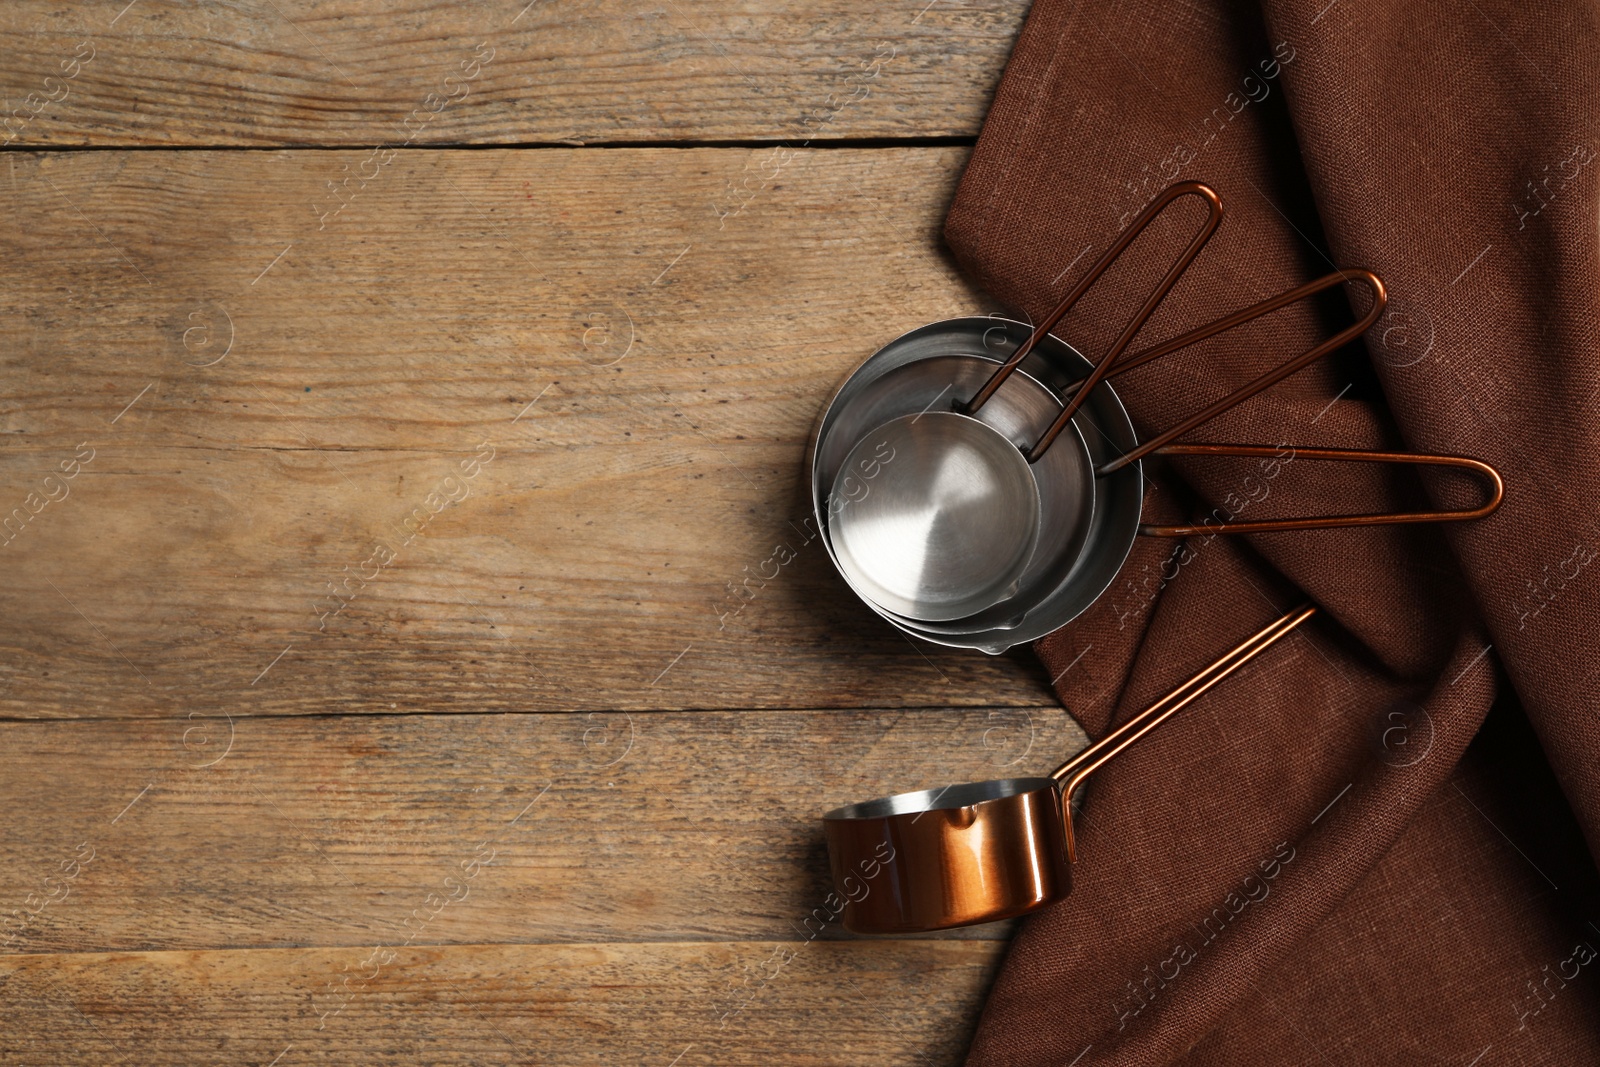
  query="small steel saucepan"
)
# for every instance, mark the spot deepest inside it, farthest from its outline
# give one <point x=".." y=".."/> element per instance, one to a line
<point x="984" y="516"/>
<point x="983" y="851"/>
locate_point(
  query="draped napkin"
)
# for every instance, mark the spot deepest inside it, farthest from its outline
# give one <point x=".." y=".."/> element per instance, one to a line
<point x="1373" y="844"/>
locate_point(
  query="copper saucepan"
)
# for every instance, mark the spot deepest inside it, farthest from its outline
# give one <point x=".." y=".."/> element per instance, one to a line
<point x="983" y="851"/>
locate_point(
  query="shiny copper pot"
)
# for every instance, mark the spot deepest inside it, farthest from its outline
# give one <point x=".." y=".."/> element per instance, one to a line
<point x="983" y="851"/>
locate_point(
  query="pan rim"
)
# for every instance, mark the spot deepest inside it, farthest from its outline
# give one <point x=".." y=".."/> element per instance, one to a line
<point x="949" y="798"/>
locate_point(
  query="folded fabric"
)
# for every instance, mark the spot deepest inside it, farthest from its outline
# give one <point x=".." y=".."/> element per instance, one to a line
<point x="1341" y="855"/>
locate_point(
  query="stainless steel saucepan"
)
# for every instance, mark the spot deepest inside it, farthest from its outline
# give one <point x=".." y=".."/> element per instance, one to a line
<point x="979" y="483"/>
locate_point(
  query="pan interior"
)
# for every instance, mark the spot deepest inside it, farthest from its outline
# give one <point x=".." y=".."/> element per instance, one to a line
<point x="943" y="518"/>
<point x="951" y="796"/>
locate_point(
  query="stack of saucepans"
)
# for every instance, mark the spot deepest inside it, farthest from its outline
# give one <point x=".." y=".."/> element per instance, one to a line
<point x="979" y="485"/>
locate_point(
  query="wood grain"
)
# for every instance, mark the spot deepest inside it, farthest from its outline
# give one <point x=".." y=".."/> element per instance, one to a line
<point x="859" y="1003"/>
<point x="283" y="512"/>
<point x="353" y="72"/>
<point x="302" y="449"/>
<point x="197" y="833"/>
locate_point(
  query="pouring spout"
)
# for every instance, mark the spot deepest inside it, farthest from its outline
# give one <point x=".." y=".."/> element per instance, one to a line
<point x="1073" y="772"/>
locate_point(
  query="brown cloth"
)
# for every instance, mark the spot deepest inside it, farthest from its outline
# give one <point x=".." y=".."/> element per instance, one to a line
<point x="1317" y="863"/>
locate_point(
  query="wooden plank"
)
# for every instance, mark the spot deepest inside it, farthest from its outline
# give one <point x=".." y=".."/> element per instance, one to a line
<point x="275" y="505"/>
<point x="358" y="72"/>
<point x="423" y="829"/>
<point x="897" y="1002"/>
<point x="428" y="311"/>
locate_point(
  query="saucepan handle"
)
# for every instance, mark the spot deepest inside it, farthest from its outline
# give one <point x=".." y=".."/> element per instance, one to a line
<point x="1071" y="774"/>
<point x="1380" y="300"/>
<point x="1490" y="476"/>
<point x="1213" y="219"/>
<point x="1116" y="360"/>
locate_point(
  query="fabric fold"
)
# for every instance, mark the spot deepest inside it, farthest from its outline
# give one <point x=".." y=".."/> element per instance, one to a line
<point x="1411" y="914"/>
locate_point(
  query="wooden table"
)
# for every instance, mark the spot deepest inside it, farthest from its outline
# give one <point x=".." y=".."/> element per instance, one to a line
<point x="415" y="650"/>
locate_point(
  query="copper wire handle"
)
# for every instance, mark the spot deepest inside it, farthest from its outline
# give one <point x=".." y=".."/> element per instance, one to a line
<point x="1380" y="299"/>
<point x="1091" y="759"/>
<point x="1114" y="362"/>
<point x="1154" y="208"/>
<point x="1238" y="318"/>
<point x="1076" y="770"/>
<point x="1338" y="455"/>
